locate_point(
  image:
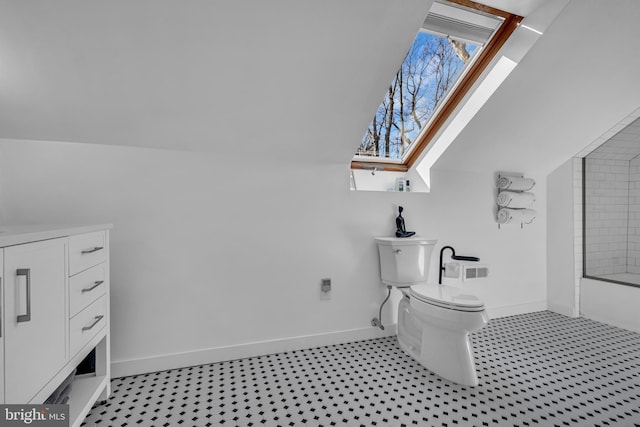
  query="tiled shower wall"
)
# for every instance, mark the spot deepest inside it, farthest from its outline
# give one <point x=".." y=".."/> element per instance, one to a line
<point x="634" y="206"/>
<point x="608" y="213"/>
<point x="633" y="253"/>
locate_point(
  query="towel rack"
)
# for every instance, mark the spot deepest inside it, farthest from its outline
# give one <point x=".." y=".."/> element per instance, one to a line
<point x="516" y="183"/>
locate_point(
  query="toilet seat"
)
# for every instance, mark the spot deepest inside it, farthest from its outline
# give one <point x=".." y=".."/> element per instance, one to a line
<point x="446" y="296"/>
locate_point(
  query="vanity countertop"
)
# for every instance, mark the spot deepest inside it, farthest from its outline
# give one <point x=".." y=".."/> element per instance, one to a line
<point x="19" y="234"/>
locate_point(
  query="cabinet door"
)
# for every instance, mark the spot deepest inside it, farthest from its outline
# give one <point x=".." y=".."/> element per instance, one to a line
<point x="35" y="317"/>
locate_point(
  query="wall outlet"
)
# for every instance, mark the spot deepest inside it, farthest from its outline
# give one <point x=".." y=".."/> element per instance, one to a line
<point x="325" y="289"/>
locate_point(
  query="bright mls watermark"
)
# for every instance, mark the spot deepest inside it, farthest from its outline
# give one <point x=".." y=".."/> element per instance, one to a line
<point x="34" y="415"/>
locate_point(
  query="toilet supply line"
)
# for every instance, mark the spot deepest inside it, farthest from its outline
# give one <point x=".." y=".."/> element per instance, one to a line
<point x="377" y="321"/>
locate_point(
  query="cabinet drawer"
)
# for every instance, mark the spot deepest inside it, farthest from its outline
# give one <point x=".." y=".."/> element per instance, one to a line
<point x="87" y="324"/>
<point x="86" y="287"/>
<point x="86" y="250"/>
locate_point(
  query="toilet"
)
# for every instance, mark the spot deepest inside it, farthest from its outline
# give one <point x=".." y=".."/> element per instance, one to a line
<point x="434" y="321"/>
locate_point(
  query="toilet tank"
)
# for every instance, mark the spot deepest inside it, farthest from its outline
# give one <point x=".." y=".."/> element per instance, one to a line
<point x="404" y="261"/>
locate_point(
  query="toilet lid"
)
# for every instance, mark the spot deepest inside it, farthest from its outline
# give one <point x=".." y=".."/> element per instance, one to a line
<point x="446" y="296"/>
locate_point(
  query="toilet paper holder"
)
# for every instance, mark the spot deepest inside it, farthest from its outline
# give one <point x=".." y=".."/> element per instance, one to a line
<point x="454" y="257"/>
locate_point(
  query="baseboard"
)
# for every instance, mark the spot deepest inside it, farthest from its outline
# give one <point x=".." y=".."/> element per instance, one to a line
<point x="123" y="368"/>
<point x="512" y="310"/>
<point x="561" y="309"/>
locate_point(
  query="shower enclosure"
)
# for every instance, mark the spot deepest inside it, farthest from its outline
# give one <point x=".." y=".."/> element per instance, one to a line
<point x="611" y="209"/>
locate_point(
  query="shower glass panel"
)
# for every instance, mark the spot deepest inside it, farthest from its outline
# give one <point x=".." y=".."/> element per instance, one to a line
<point x="611" y="209"/>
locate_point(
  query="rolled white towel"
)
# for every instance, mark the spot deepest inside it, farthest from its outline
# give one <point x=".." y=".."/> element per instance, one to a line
<point x="515" y="183"/>
<point x="514" y="199"/>
<point x="507" y="215"/>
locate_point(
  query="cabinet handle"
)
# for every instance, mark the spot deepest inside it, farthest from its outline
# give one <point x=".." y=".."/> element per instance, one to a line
<point x="27" y="273"/>
<point x="92" y="287"/>
<point x="95" y="322"/>
<point x="92" y="250"/>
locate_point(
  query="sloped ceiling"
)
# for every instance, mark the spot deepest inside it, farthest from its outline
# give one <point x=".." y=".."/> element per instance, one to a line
<point x="579" y="80"/>
<point x="283" y="78"/>
<point x="625" y="145"/>
<point x="294" y="79"/>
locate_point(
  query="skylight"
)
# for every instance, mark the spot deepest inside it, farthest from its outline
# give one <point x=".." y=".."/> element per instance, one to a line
<point x="430" y="68"/>
<point x="432" y="80"/>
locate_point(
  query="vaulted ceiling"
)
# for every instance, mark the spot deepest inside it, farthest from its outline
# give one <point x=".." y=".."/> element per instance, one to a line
<point x="578" y="81"/>
<point x="624" y="145"/>
<point x="242" y="77"/>
<point x="292" y="79"/>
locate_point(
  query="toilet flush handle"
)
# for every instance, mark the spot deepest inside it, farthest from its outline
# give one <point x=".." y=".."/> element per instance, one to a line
<point x="397" y="251"/>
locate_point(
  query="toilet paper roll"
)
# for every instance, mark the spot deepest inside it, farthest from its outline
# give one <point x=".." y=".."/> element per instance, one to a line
<point x="514" y="199"/>
<point x="515" y="183"/>
<point x="523" y="216"/>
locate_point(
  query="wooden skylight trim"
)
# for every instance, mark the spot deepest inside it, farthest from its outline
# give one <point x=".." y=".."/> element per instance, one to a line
<point x="488" y="53"/>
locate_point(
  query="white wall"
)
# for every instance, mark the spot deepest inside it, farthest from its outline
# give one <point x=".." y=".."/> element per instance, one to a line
<point x="207" y="254"/>
<point x="561" y="294"/>
<point x="516" y="257"/>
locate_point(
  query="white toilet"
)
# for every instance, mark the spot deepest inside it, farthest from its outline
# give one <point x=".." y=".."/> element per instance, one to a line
<point x="434" y="321"/>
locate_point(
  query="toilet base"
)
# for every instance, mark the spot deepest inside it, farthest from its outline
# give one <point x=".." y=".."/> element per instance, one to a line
<point x="443" y="351"/>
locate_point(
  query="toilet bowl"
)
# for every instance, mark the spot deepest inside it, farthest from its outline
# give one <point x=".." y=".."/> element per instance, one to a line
<point x="434" y="321"/>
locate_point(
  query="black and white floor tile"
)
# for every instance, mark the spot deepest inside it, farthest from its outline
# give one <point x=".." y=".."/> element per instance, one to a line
<point x="538" y="369"/>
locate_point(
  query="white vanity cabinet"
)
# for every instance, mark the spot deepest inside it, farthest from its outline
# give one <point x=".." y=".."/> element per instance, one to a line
<point x="35" y="320"/>
<point x="54" y="297"/>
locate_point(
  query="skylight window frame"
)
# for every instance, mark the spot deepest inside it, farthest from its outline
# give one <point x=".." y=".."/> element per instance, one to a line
<point x="400" y="162"/>
<point x="456" y="94"/>
<point x="467" y="69"/>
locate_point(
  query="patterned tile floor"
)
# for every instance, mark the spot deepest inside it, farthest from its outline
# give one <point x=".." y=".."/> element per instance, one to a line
<point x="537" y="369"/>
